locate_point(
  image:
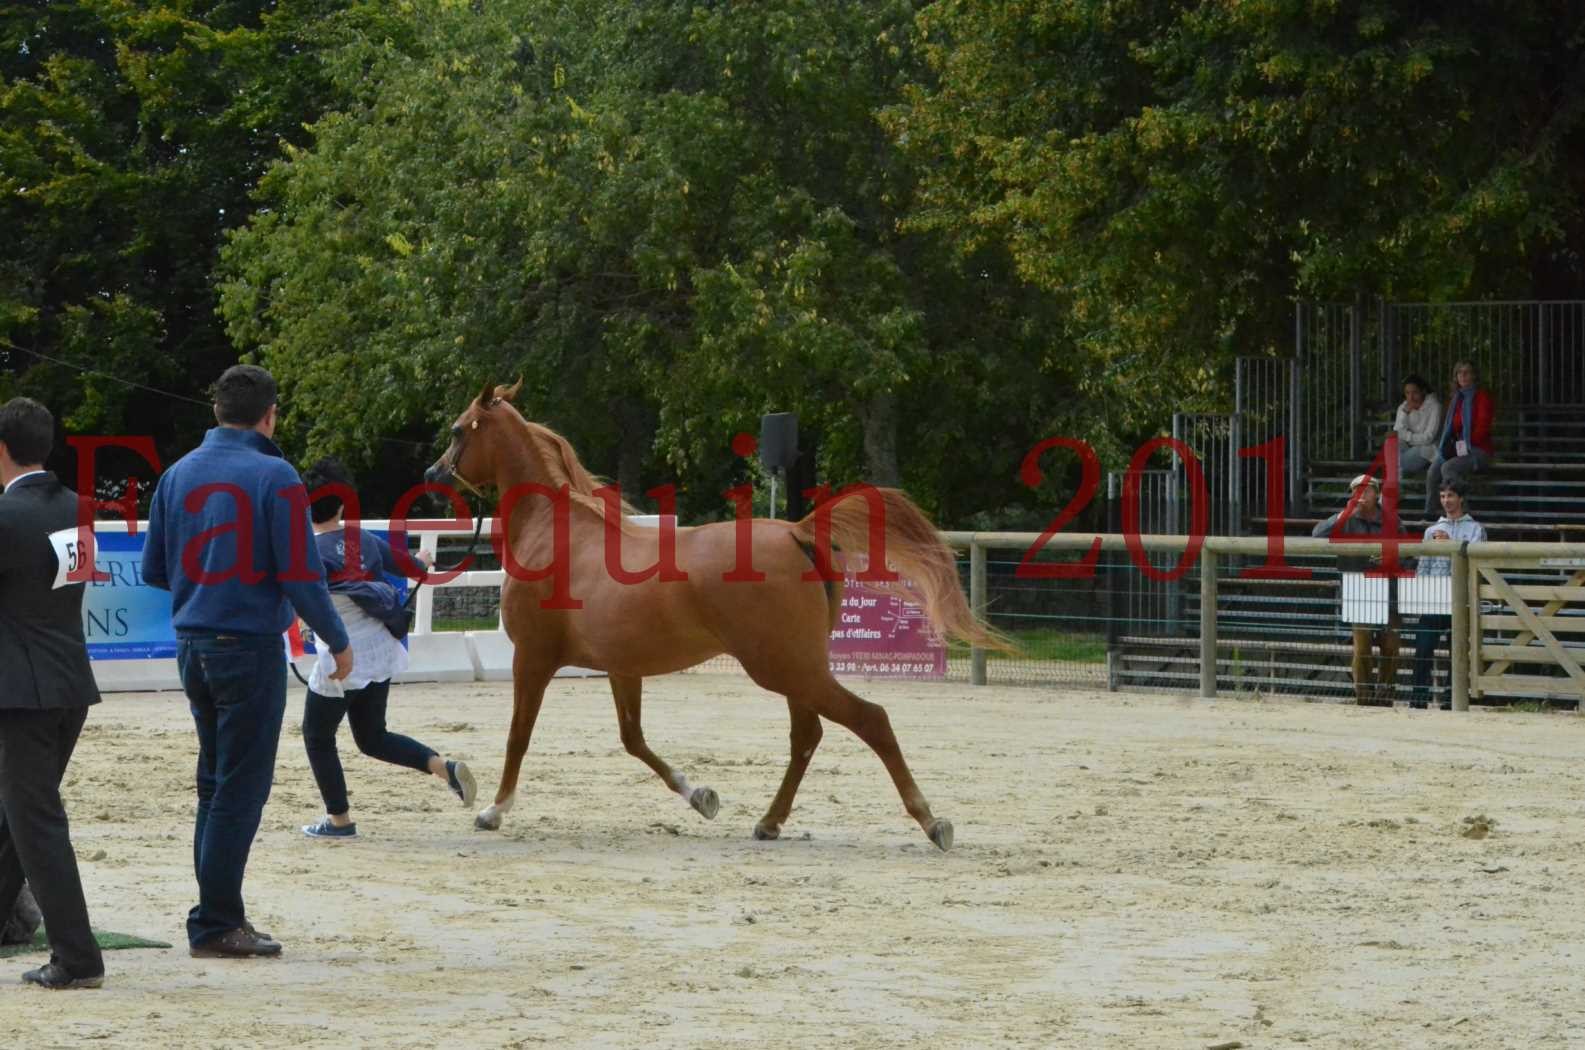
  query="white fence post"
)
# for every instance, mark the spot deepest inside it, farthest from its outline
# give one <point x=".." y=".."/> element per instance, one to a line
<point x="424" y="611"/>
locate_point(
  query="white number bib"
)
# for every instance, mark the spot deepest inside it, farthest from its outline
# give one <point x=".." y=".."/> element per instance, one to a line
<point x="71" y="554"/>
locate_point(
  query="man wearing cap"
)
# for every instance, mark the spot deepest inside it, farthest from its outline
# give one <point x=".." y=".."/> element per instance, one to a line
<point x="1455" y="524"/>
<point x="1369" y="689"/>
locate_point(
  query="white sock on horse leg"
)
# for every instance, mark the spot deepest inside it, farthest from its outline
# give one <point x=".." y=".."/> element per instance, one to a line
<point x="498" y="809"/>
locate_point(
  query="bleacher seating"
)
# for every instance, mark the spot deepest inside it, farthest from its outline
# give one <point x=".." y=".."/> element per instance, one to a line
<point x="1534" y="490"/>
<point x="1286" y="635"/>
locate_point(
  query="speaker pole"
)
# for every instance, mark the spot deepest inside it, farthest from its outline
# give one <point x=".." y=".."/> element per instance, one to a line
<point x="778" y="448"/>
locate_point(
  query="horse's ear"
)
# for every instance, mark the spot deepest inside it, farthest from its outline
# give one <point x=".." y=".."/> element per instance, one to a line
<point x="487" y="395"/>
<point x="511" y="392"/>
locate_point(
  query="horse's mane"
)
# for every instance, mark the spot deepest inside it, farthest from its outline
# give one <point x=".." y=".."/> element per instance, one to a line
<point x="561" y="466"/>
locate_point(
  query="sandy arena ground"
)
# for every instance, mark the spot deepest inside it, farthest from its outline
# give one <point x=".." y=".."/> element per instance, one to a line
<point x="1129" y="872"/>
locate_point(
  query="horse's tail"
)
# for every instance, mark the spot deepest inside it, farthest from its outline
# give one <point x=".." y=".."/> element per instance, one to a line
<point x="911" y="547"/>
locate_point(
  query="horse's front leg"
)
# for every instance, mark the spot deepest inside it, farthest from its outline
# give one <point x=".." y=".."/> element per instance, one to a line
<point x="529" y="679"/>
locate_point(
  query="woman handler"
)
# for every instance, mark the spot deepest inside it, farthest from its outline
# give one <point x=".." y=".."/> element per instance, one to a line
<point x="367" y="606"/>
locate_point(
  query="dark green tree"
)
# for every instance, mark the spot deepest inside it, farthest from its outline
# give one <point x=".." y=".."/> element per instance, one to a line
<point x="1177" y="174"/>
<point x="668" y="218"/>
<point x="131" y="137"/>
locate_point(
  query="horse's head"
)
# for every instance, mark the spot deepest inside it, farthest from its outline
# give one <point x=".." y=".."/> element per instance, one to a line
<point x="469" y="460"/>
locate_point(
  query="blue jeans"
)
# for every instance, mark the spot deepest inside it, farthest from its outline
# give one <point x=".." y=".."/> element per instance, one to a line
<point x="1414" y="458"/>
<point x="236" y="689"/>
<point x="1432" y="630"/>
<point x="365" y="709"/>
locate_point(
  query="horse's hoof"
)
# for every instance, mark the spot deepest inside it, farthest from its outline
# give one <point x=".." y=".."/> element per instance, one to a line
<point x="492" y="822"/>
<point x="706" y="801"/>
<point x="766" y="832"/>
<point x="941" y="834"/>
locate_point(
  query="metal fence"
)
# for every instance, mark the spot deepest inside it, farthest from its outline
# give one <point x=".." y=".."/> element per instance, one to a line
<point x="1328" y="338"/>
<point x="1119" y="629"/>
<point x="1341" y="634"/>
<point x="1136" y="602"/>
<point x="1265" y="391"/>
<point x="1333" y="397"/>
<point x="1215" y="441"/>
<point x="1137" y="620"/>
<point x="1527" y="353"/>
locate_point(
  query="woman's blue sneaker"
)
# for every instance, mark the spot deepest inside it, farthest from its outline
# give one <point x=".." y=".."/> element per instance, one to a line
<point x="326" y="830"/>
<point x="461" y="780"/>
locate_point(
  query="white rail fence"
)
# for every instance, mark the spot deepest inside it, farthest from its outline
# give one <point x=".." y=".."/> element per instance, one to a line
<point x="1481" y="602"/>
<point x="433" y="656"/>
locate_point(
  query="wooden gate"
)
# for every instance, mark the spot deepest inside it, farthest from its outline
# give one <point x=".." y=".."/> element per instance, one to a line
<point x="1527" y="624"/>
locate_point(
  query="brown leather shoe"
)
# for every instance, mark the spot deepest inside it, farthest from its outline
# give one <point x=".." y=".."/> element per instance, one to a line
<point x="240" y="943"/>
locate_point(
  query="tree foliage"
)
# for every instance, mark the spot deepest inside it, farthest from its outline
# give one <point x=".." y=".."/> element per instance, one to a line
<point x="1177" y="174"/>
<point x="938" y="232"/>
<point x="131" y="136"/>
<point x="669" y="219"/>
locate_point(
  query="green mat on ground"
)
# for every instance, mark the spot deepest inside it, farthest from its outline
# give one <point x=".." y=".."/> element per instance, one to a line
<point x="107" y="940"/>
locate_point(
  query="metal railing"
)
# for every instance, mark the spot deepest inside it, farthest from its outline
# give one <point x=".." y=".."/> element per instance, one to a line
<point x="1527" y="353"/>
<point x="1466" y="636"/>
<point x="1331" y="373"/>
<point x="1215" y="441"/>
<point x="1349" y="362"/>
<point x="1265" y="402"/>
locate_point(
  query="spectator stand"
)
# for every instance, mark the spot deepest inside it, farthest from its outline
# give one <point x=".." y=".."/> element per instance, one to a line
<point x="1330" y="405"/>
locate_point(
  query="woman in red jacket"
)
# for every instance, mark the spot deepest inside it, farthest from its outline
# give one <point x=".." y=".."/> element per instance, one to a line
<point x="1465" y="446"/>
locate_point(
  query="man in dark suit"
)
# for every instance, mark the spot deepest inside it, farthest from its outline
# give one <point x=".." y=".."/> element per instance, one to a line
<point x="45" y="691"/>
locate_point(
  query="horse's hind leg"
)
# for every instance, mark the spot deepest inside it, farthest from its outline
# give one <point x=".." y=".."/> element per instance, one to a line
<point x="528" y="691"/>
<point x="628" y="691"/>
<point x="869" y="723"/>
<point x="805" y="736"/>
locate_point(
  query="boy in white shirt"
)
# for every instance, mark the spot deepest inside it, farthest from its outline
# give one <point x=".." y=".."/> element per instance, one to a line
<point x="1455" y="524"/>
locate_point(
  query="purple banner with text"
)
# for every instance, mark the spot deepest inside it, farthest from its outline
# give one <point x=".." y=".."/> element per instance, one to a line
<point x="879" y="635"/>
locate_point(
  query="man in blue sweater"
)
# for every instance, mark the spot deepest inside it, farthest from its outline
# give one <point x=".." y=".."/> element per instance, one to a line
<point x="229" y="537"/>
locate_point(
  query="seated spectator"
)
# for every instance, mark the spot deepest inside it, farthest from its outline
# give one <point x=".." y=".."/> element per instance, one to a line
<point x="1465" y="445"/>
<point x="1455" y="524"/>
<point x="1418" y="425"/>
<point x="1369" y="690"/>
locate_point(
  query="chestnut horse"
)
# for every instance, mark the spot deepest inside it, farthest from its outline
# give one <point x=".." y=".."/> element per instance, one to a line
<point x="778" y="626"/>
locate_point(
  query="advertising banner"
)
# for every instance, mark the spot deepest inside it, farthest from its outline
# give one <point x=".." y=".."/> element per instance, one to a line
<point x="123" y="617"/>
<point x="127" y="619"/>
<point x="879" y="635"/>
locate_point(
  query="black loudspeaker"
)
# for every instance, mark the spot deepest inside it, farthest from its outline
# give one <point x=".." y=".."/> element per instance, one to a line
<point x="778" y="440"/>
